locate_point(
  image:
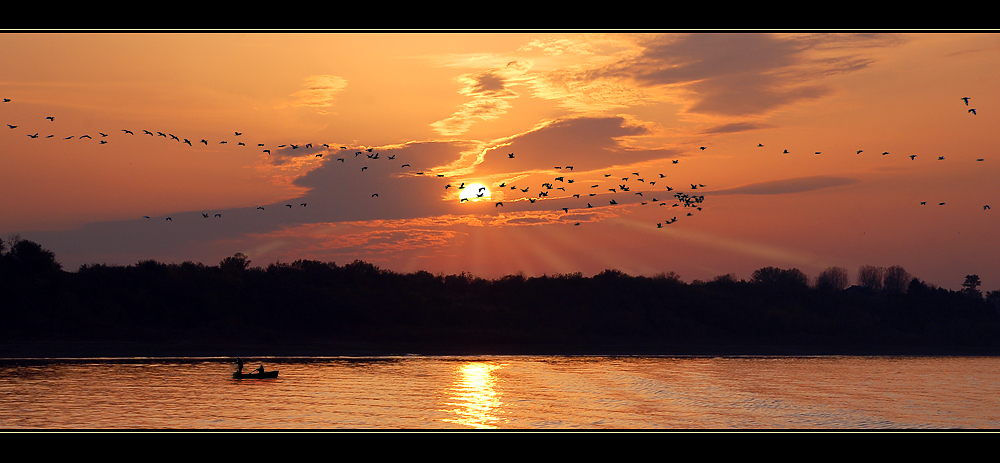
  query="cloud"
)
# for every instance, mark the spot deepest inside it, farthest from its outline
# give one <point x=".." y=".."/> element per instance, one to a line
<point x="786" y="186"/>
<point x="559" y="46"/>
<point x="490" y="90"/>
<point x="319" y="92"/>
<point x="736" y="127"/>
<point x="738" y="74"/>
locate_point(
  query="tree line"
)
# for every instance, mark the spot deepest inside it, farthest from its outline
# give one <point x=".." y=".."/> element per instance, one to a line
<point x="322" y="308"/>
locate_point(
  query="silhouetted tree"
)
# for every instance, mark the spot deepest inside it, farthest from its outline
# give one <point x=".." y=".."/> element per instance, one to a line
<point x="870" y="276"/>
<point x="238" y="262"/>
<point x="29" y="257"/>
<point x="728" y="278"/>
<point x="774" y="276"/>
<point x="895" y="279"/>
<point x="971" y="286"/>
<point x="833" y="279"/>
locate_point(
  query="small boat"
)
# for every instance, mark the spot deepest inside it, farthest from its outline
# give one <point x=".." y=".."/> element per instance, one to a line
<point x="255" y="374"/>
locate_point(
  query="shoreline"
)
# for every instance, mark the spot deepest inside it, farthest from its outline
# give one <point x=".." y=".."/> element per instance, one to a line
<point x="134" y="352"/>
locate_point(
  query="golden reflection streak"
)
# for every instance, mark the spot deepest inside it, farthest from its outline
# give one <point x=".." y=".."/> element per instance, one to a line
<point x="474" y="397"/>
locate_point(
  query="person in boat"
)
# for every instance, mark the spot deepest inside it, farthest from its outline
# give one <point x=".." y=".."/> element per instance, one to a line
<point x="239" y="365"/>
<point x="259" y="369"/>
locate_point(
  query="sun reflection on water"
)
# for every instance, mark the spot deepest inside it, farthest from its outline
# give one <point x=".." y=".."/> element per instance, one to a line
<point x="475" y="401"/>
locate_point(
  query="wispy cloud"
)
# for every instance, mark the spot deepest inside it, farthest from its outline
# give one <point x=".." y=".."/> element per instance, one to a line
<point x="489" y="90"/>
<point x="789" y="185"/>
<point x="319" y="92"/>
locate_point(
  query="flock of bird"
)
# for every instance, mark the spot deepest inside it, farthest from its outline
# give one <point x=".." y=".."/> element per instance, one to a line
<point x="673" y="197"/>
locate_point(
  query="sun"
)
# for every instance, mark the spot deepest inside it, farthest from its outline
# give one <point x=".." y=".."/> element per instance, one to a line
<point x="474" y="192"/>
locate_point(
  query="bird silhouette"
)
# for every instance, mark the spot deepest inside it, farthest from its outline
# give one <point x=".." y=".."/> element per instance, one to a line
<point x="218" y="215"/>
<point x="53" y="119"/>
<point x="260" y="207"/>
<point x="128" y="132"/>
<point x="204" y="215"/>
<point x="966" y="99"/>
<point x="34" y="136"/>
<point x="168" y="218"/>
<point x="12" y="126"/>
<point x="973" y="111"/>
<point x="510" y="156"/>
<point x="498" y="204"/>
<point x="303" y="204"/>
<point x="913" y="156"/>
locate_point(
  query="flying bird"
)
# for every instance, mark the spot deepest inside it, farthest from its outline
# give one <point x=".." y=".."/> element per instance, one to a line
<point x="966" y="99"/>
<point x="973" y="111"/>
<point x="498" y="204"/>
<point x="510" y="156"/>
<point x="53" y="119"/>
<point x="128" y="132"/>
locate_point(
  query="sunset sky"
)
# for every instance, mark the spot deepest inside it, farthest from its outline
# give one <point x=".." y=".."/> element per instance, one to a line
<point x="584" y="113"/>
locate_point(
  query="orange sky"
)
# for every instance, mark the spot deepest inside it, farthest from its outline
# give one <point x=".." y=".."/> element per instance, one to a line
<point x="611" y="105"/>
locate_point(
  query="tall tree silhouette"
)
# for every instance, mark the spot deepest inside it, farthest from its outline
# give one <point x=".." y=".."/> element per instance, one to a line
<point x="895" y="279"/>
<point x="971" y="286"/>
<point x="870" y="276"/>
<point x="833" y="279"/>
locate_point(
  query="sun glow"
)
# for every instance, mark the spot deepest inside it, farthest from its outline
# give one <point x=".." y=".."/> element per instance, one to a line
<point x="474" y="192"/>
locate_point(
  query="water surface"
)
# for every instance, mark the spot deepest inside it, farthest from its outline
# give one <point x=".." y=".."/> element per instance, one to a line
<point x="501" y="392"/>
